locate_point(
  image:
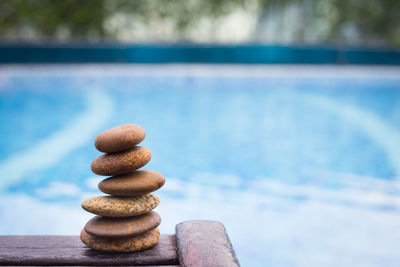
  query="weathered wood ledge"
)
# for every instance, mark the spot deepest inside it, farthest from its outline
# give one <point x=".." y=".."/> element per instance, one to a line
<point x="195" y="243"/>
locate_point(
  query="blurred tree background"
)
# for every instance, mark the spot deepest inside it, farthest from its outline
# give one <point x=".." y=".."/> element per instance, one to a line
<point x="342" y="22"/>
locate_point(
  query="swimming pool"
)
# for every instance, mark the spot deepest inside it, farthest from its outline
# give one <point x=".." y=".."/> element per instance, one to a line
<point x="300" y="163"/>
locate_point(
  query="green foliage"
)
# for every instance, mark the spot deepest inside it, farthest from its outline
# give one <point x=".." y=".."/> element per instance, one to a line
<point x="374" y="21"/>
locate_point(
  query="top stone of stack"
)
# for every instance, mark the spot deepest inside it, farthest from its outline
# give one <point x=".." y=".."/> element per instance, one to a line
<point x="120" y="138"/>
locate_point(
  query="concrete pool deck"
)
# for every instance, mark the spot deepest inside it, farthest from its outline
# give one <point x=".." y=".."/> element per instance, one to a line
<point x="205" y="70"/>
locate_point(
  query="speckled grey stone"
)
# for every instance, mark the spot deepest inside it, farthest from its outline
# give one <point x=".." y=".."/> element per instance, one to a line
<point x="122" y="162"/>
<point x="111" y="206"/>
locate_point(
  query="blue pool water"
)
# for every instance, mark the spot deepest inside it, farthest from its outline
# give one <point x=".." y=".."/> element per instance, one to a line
<point x="301" y="164"/>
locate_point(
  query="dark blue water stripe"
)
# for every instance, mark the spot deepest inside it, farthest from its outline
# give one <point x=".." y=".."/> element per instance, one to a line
<point x="239" y="54"/>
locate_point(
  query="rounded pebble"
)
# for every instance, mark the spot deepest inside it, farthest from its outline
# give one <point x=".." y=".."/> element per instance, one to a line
<point x="123" y="244"/>
<point x="132" y="184"/>
<point x="119" y="138"/>
<point x="123" y="227"/>
<point x="121" y="162"/>
<point x="110" y="206"/>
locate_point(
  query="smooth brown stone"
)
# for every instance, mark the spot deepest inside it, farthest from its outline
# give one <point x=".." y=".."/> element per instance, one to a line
<point x="123" y="227"/>
<point x="122" y="162"/>
<point x="123" y="244"/>
<point x="133" y="184"/>
<point x="110" y="206"/>
<point x="119" y="138"/>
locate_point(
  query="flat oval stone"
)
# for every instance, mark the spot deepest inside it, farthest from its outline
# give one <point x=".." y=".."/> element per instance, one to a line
<point x="123" y="227"/>
<point x="119" y="138"/>
<point x="122" y="244"/>
<point x="137" y="183"/>
<point x="122" y="162"/>
<point x="110" y="206"/>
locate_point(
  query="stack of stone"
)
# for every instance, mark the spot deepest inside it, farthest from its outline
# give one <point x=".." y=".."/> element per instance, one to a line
<point x="125" y="220"/>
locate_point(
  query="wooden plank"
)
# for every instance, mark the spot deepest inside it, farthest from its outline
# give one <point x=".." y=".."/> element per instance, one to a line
<point x="204" y="243"/>
<point x="69" y="250"/>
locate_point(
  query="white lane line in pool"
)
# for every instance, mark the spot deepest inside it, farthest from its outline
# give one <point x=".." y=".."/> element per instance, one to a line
<point x="363" y="191"/>
<point x="59" y="189"/>
<point x="52" y="149"/>
<point x="382" y="133"/>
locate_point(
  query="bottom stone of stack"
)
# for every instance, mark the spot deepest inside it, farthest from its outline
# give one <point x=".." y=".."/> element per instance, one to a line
<point x="123" y="244"/>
